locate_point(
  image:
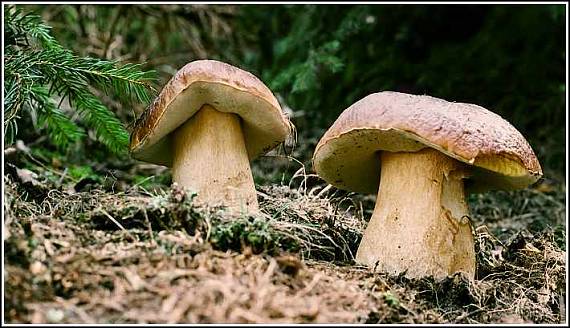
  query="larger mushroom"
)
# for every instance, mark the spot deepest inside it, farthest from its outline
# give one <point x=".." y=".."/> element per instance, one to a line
<point x="422" y="155"/>
<point x="208" y="122"/>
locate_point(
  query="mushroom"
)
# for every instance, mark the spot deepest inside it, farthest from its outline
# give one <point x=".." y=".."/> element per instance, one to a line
<point x="422" y="155"/>
<point x="208" y="122"/>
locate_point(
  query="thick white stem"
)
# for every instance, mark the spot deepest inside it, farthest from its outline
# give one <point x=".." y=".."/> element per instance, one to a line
<point x="210" y="158"/>
<point x="421" y="221"/>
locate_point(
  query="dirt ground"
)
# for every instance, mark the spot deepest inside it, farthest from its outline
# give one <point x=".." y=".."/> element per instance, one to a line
<point x="93" y="254"/>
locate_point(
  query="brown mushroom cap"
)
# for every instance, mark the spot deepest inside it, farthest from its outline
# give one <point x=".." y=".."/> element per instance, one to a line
<point x="223" y="86"/>
<point x="346" y="156"/>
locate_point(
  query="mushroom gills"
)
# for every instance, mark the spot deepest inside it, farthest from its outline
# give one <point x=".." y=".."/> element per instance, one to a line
<point x="420" y="222"/>
<point x="210" y="158"/>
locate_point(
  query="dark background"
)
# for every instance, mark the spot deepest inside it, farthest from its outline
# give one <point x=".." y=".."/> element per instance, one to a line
<point x="319" y="59"/>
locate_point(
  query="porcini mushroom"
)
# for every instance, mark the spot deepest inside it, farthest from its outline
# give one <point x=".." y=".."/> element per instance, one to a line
<point x="208" y="122"/>
<point x="422" y="155"/>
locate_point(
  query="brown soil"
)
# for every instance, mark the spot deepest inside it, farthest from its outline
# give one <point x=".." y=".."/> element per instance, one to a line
<point x="137" y="257"/>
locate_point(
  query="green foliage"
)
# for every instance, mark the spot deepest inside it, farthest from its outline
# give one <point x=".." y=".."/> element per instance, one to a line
<point x="321" y="55"/>
<point x="319" y="59"/>
<point x="165" y="37"/>
<point x="297" y="61"/>
<point x="38" y="70"/>
<point x="391" y="299"/>
<point x="509" y="59"/>
<point x="559" y="236"/>
<point x="249" y="231"/>
<point x="81" y="172"/>
<point x="151" y="182"/>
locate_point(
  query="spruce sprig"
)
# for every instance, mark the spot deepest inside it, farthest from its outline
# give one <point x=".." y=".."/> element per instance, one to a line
<point x="38" y="69"/>
<point x="19" y="27"/>
<point x="60" y="128"/>
<point x="320" y="56"/>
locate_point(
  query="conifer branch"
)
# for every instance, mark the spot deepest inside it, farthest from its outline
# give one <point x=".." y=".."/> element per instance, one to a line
<point x="37" y="68"/>
<point x="303" y="75"/>
<point x="60" y="128"/>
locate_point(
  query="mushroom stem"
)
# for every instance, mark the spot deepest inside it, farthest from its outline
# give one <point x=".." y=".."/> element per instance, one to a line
<point x="210" y="157"/>
<point x="421" y="221"/>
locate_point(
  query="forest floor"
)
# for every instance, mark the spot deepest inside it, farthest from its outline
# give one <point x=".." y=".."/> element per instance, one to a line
<point x="82" y="249"/>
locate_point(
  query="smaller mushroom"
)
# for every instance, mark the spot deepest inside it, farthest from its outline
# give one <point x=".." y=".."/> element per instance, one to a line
<point x="208" y="122"/>
<point x="422" y="155"/>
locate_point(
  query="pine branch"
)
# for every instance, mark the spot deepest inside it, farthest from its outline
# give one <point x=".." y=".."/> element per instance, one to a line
<point x="107" y="127"/>
<point x="303" y="75"/>
<point x="61" y="130"/>
<point x="38" y="68"/>
<point x="71" y="84"/>
<point x="17" y="88"/>
<point x="306" y="78"/>
<point x="126" y="81"/>
<point x="15" y="91"/>
<point x="20" y="27"/>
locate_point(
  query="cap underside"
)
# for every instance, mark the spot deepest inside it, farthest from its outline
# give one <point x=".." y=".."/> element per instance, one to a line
<point x="263" y="124"/>
<point x="351" y="161"/>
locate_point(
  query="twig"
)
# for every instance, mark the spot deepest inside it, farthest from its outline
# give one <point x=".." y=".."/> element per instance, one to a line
<point x="63" y="175"/>
<point x="112" y="31"/>
<point x="310" y="286"/>
<point x="118" y="224"/>
<point x="324" y="190"/>
<point x="148" y="225"/>
<point x="466" y="315"/>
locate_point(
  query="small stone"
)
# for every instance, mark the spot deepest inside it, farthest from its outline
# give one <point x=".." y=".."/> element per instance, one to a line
<point x="54" y="315"/>
<point x="37" y="268"/>
<point x="512" y="318"/>
<point x="290" y="265"/>
<point x="26" y="176"/>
